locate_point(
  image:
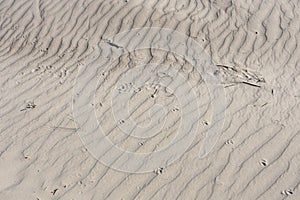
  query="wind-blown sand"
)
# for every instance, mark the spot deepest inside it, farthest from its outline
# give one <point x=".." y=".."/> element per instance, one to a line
<point x="255" y="45"/>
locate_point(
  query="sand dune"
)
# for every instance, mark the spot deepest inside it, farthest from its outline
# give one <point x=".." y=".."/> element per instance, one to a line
<point x="255" y="48"/>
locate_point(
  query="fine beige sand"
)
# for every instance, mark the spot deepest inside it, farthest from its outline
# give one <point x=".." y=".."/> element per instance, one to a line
<point x="255" y="46"/>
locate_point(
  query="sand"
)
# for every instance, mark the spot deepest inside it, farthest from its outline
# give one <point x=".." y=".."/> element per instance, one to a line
<point x="45" y="46"/>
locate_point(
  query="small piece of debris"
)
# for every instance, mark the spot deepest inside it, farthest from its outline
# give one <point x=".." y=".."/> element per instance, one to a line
<point x="264" y="162"/>
<point x="141" y="143"/>
<point x="121" y="121"/>
<point x="287" y="192"/>
<point x="31" y="105"/>
<point x="175" y="109"/>
<point x="34" y="70"/>
<point x="229" y="142"/>
<point x="54" y="191"/>
<point x="251" y="84"/>
<point x="263" y="104"/>
<point x="159" y="170"/>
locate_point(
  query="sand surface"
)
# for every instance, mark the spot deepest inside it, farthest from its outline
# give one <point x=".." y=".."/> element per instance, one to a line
<point x="255" y="45"/>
